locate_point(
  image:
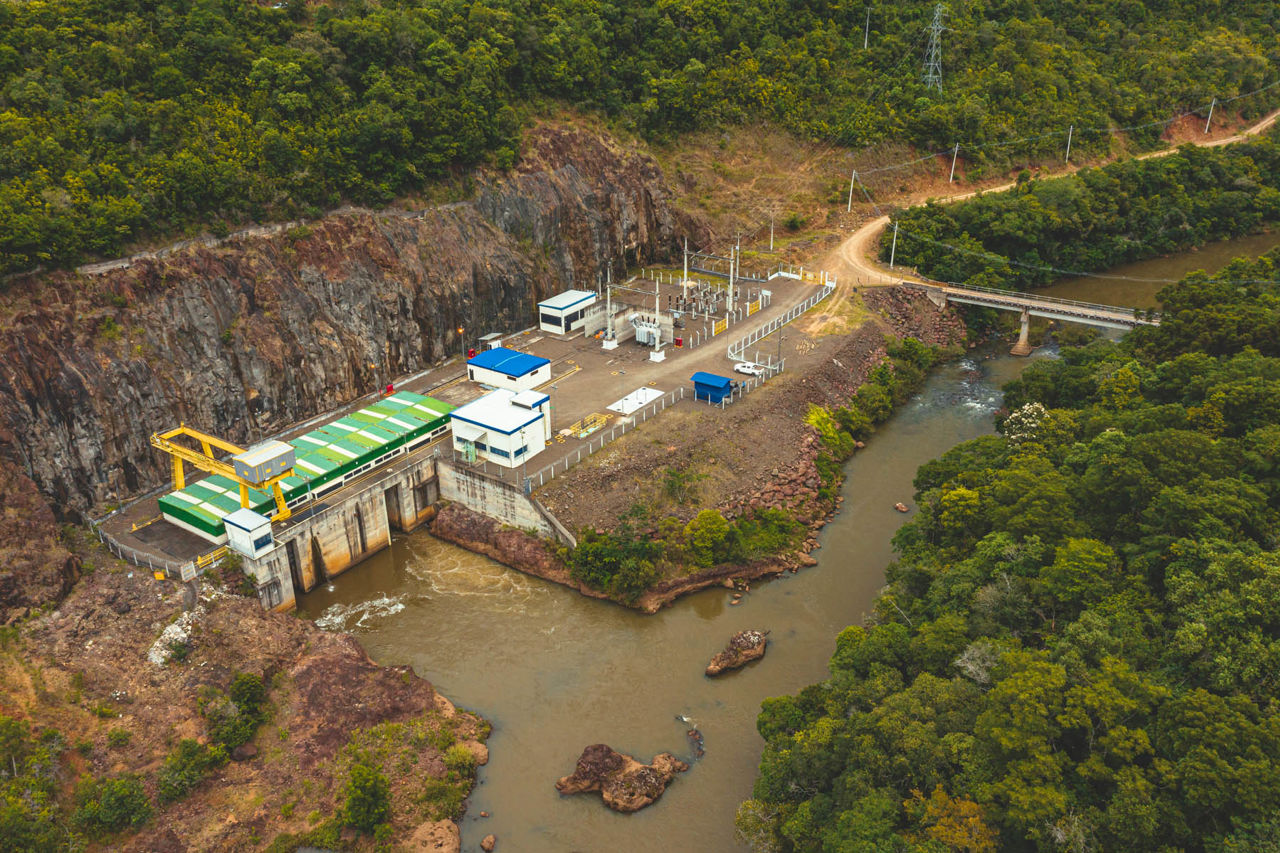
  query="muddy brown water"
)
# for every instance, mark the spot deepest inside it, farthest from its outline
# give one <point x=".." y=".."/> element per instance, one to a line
<point x="1136" y="285"/>
<point x="554" y="671"/>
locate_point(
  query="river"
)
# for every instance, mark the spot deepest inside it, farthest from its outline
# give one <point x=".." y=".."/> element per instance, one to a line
<point x="554" y="671"/>
<point x="1135" y="285"/>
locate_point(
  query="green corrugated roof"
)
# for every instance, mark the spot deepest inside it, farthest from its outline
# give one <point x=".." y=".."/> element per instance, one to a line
<point x="323" y="454"/>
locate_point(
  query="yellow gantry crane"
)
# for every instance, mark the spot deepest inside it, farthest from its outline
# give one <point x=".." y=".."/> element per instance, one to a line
<point x="264" y="461"/>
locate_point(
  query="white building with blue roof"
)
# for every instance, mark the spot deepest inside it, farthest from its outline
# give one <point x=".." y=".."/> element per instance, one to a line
<point x="503" y="427"/>
<point x="507" y="368"/>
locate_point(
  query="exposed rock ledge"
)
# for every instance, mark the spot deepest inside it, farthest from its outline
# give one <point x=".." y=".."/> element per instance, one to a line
<point x="744" y="647"/>
<point x="507" y="545"/>
<point x="533" y="556"/>
<point x="625" y="784"/>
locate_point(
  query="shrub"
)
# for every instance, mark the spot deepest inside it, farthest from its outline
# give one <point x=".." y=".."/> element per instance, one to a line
<point x="768" y="531"/>
<point x="248" y="691"/>
<point x="681" y="485"/>
<point x="109" y="329"/>
<point x="185" y="768"/>
<point x="368" y="802"/>
<point x="118" y="738"/>
<point x="706" y="535"/>
<point x="234" y="719"/>
<point x="111" y="805"/>
<point x="619" y="562"/>
<point x="179" y="650"/>
<point x="460" y="760"/>
<point x="443" y="800"/>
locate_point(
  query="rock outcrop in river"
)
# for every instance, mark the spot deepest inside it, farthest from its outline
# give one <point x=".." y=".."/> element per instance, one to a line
<point x="625" y="784"/>
<point x="255" y="333"/>
<point x="744" y="647"/>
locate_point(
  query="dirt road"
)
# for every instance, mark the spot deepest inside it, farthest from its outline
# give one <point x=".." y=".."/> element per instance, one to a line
<point x="854" y="261"/>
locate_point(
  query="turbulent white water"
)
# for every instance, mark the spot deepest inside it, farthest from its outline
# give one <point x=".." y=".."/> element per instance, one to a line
<point x="364" y="614"/>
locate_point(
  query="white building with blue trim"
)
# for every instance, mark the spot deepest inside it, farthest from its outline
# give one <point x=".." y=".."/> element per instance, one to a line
<point x="507" y="368"/>
<point x="565" y="312"/>
<point x="504" y="427"/>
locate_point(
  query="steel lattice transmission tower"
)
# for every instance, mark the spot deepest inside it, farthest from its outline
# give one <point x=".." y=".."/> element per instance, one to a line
<point x="933" y="57"/>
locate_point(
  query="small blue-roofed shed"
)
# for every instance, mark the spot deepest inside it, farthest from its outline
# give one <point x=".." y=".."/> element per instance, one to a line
<point x="710" y="387"/>
<point x="506" y="368"/>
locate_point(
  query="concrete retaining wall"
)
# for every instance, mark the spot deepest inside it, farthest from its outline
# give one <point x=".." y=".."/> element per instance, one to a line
<point x="494" y="498"/>
<point x="335" y="537"/>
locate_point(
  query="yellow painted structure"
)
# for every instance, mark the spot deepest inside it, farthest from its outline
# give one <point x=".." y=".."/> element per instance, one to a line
<point x="204" y="460"/>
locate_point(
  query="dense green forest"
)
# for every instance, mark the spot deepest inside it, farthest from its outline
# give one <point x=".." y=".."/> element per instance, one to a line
<point x="1079" y="647"/>
<point x="1095" y="219"/>
<point x="125" y="119"/>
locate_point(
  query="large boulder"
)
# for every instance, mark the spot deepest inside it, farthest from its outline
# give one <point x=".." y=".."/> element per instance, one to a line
<point x="625" y="784"/>
<point x="744" y="647"/>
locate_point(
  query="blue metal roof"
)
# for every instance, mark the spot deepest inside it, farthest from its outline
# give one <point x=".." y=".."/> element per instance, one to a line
<point x="508" y="361"/>
<point x="711" y="380"/>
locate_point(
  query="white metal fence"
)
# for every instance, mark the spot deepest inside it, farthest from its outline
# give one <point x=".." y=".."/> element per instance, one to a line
<point x="598" y="441"/>
<point x="739" y="347"/>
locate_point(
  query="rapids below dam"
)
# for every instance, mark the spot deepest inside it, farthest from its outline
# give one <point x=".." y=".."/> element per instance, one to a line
<point x="554" y="671"/>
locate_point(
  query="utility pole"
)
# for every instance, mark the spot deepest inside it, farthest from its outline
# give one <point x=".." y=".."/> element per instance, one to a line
<point x="866" y="29"/>
<point x="657" y="313"/>
<point x="684" y="282"/>
<point x="893" y="251"/>
<point x="608" y="301"/>
<point x="731" y="267"/>
<point x="955" y="152"/>
<point x="1070" y="130"/>
<point x="852" y="180"/>
<point x="933" y="56"/>
<point x="738" y="255"/>
<point x="1212" y="104"/>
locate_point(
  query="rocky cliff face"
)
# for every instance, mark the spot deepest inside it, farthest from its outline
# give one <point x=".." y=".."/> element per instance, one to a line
<point x="35" y="568"/>
<point x="250" y="335"/>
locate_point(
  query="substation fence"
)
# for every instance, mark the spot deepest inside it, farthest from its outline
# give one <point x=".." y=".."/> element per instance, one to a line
<point x="597" y="443"/>
<point x="738" y="348"/>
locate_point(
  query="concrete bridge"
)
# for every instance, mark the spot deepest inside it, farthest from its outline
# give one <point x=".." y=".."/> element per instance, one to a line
<point x="1030" y="305"/>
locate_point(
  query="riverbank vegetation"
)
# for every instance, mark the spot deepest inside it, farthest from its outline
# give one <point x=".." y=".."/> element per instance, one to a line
<point x="842" y="429"/>
<point x="1095" y="219"/>
<point x="121" y="121"/>
<point x="648" y="546"/>
<point x="629" y="559"/>
<point x="1078" y="648"/>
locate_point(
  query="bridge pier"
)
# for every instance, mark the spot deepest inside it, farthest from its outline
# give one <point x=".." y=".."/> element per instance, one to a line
<point x="1023" y="346"/>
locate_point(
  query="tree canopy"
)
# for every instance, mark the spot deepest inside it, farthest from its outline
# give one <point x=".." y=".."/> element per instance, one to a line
<point x="1094" y="219"/>
<point x="122" y="119"/>
<point x="1079" y="646"/>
